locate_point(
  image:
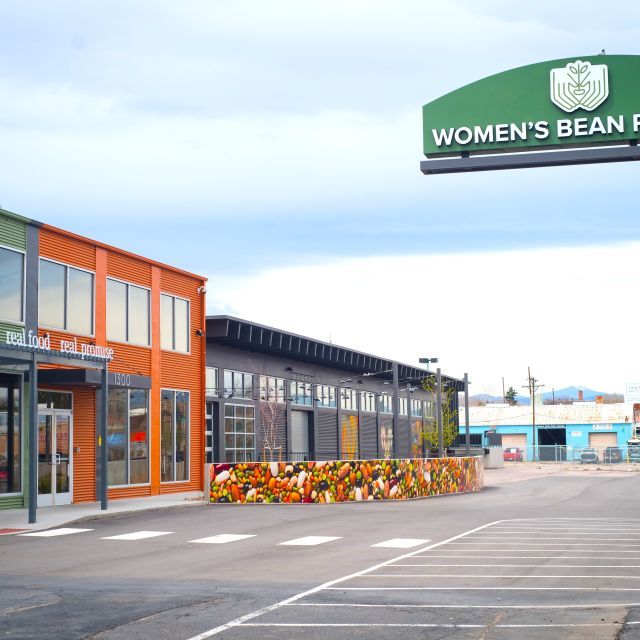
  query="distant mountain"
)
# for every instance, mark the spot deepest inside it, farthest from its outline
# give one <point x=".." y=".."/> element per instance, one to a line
<point x="588" y="395"/>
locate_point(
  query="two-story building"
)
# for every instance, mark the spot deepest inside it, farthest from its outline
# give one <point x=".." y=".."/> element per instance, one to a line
<point x="101" y="370"/>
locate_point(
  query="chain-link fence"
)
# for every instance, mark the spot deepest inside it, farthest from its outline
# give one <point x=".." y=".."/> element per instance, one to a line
<point x="573" y="454"/>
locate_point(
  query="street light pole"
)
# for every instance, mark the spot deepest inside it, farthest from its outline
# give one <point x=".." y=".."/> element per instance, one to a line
<point x="439" y="413"/>
<point x="467" y="436"/>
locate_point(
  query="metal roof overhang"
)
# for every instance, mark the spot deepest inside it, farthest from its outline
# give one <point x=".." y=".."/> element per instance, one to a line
<point x="242" y="334"/>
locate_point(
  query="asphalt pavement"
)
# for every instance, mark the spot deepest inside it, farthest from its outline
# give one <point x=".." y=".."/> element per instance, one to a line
<point x="536" y="556"/>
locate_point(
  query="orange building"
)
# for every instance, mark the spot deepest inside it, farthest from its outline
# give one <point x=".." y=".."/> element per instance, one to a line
<point x="102" y="315"/>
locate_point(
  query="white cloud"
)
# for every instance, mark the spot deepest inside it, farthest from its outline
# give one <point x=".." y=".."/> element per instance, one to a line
<point x="570" y="314"/>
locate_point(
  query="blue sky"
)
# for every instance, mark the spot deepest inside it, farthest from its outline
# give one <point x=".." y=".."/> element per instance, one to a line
<point x="244" y="139"/>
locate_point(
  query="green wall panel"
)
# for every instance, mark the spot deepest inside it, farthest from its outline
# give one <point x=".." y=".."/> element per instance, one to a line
<point x="12" y="502"/>
<point x="13" y="233"/>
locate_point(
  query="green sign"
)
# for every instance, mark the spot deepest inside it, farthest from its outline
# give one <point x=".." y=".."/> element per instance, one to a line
<point x="574" y="102"/>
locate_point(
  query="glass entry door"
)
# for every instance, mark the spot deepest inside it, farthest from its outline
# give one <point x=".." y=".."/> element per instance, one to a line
<point x="54" y="459"/>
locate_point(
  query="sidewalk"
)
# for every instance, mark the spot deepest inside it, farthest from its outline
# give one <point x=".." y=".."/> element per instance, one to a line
<point x="47" y="517"/>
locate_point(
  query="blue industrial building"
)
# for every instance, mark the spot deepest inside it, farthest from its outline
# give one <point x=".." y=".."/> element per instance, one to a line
<point x="562" y="431"/>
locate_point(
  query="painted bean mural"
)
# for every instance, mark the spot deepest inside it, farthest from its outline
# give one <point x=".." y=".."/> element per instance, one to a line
<point x="344" y="480"/>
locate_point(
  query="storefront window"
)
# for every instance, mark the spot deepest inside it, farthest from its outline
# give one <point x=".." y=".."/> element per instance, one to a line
<point x="174" y="435"/>
<point x="128" y="437"/>
<point x="128" y="313"/>
<point x="11" y="285"/>
<point x="239" y="433"/>
<point x="301" y="392"/>
<point x="10" y="453"/>
<point x="66" y="298"/>
<point x="238" y="384"/>
<point x="174" y="323"/>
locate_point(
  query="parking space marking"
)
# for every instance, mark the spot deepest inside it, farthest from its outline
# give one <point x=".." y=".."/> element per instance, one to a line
<point x="567" y="566"/>
<point x="401" y="543"/>
<point x="309" y="541"/>
<point x="492" y="576"/>
<point x="63" y="531"/>
<point x="223" y="538"/>
<point x="259" y="612"/>
<point x="138" y="535"/>
<point x="598" y="589"/>
<point x="462" y="606"/>
<point x="433" y="625"/>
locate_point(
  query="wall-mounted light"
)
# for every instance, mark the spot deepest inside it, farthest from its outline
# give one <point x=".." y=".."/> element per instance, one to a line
<point x="202" y="289"/>
<point x="199" y="333"/>
<point x="289" y="369"/>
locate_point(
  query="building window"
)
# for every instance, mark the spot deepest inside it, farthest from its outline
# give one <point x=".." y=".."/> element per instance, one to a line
<point x="10" y="449"/>
<point x="128" y="437"/>
<point x="385" y="402"/>
<point x="326" y="395"/>
<point x="211" y="381"/>
<point x="416" y="408"/>
<point x="238" y="384"/>
<point x="348" y="399"/>
<point x="174" y="435"/>
<point x="239" y="433"/>
<point x="368" y="401"/>
<point x="174" y="323"/>
<point x="272" y="389"/>
<point x="301" y="392"/>
<point x="208" y="433"/>
<point x="128" y="313"/>
<point x="402" y="406"/>
<point x="11" y="285"/>
<point x="65" y="298"/>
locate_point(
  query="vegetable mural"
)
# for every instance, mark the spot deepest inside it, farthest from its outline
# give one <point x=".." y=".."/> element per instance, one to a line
<point x="343" y="481"/>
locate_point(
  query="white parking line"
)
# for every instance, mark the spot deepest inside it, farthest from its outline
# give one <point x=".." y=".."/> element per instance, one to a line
<point x="480" y="589"/>
<point x="223" y="538"/>
<point x="64" y="531"/>
<point x="563" y="566"/>
<point x="463" y="606"/>
<point x="401" y="543"/>
<point x="433" y="625"/>
<point x="573" y="537"/>
<point x="309" y="541"/>
<point x="138" y="535"/>
<point x="492" y="576"/>
<point x="254" y="614"/>
<point x="552" y="544"/>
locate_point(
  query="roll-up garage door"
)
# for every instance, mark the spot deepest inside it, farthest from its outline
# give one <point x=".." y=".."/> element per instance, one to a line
<point x="510" y="440"/>
<point x="602" y="440"/>
<point x="300" y="435"/>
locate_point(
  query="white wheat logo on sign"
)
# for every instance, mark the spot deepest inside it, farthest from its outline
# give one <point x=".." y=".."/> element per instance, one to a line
<point x="580" y="85"/>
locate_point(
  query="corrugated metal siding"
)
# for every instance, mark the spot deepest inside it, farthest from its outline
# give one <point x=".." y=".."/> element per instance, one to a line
<point x="4" y="327"/>
<point x="68" y="250"/>
<point x="129" y="492"/>
<point x="327" y="434"/>
<point x="403" y="446"/>
<point x="368" y="436"/>
<point x="186" y="372"/>
<point x="13" y="233"/>
<point x="130" y="359"/>
<point x="128" y="269"/>
<point x="14" y="502"/>
<point x="84" y="437"/>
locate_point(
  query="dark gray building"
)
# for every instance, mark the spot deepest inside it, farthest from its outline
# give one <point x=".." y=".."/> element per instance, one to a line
<point x="272" y="394"/>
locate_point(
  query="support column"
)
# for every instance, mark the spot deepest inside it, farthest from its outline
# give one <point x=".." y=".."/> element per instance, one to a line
<point x="104" y="401"/>
<point x="439" y="413"/>
<point x="396" y="408"/>
<point x="33" y="438"/>
<point x="467" y="436"/>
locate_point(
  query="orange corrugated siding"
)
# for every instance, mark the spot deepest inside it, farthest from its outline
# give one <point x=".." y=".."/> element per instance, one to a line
<point x="74" y="251"/>
<point x="129" y="269"/>
<point x="166" y="369"/>
<point x="84" y="438"/>
<point x="130" y="359"/>
<point x="186" y="372"/>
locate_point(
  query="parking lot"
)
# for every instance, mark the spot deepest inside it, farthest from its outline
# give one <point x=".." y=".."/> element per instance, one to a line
<point x="542" y="552"/>
<point x="568" y="577"/>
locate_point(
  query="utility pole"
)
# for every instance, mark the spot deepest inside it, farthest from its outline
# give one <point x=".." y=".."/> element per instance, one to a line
<point x="533" y="385"/>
